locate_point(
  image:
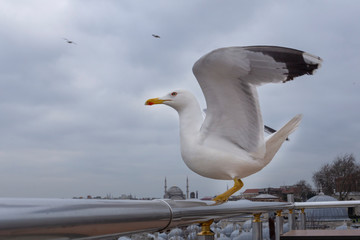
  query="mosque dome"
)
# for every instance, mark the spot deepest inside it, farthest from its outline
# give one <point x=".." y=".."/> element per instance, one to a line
<point x="174" y="193"/>
<point x="325" y="214"/>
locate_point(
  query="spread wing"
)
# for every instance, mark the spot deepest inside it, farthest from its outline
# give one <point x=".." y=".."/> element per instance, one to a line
<point x="228" y="78"/>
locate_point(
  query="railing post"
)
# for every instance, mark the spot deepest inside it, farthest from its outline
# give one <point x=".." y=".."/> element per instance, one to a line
<point x="257" y="227"/>
<point x="302" y="219"/>
<point x="291" y="219"/>
<point x="279" y="225"/>
<point x="206" y="233"/>
<point x="271" y="222"/>
<point x="291" y="215"/>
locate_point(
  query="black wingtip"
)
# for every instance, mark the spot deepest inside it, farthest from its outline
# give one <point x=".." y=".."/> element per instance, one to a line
<point x="297" y="62"/>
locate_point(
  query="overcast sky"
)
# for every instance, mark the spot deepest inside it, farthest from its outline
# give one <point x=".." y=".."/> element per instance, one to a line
<point x="72" y="116"/>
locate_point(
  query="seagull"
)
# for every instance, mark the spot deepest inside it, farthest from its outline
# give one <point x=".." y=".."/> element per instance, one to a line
<point x="155" y="36"/>
<point x="69" y="41"/>
<point x="229" y="143"/>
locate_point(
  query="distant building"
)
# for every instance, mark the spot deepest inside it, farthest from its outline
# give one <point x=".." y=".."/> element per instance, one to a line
<point x="176" y="193"/>
<point x="265" y="198"/>
<point x="125" y="196"/>
<point x="194" y="195"/>
<point x="251" y="192"/>
<point x="280" y="193"/>
<point x="325" y="217"/>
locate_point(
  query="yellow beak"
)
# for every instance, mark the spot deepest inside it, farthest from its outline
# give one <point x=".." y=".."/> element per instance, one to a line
<point x="153" y="101"/>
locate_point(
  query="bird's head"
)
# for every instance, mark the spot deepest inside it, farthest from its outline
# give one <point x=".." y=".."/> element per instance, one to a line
<point x="177" y="99"/>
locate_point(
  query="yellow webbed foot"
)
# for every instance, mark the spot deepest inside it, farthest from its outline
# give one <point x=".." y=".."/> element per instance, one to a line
<point x="238" y="184"/>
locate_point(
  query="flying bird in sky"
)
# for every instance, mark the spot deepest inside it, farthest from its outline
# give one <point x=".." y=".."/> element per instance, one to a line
<point x="69" y="41"/>
<point x="155" y="36"/>
<point x="229" y="142"/>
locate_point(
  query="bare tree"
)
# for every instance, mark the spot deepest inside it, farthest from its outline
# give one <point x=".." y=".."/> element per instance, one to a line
<point x="303" y="191"/>
<point x="324" y="180"/>
<point x="340" y="176"/>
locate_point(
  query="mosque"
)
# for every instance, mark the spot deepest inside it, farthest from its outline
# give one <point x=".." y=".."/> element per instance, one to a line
<point x="175" y="193"/>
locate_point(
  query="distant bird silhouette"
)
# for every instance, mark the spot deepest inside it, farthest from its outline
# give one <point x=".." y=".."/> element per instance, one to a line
<point x="155" y="36"/>
<point x="69" y="41"/>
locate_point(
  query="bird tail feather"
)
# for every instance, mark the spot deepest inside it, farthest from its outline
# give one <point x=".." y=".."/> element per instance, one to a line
<point x="274" y="142"/>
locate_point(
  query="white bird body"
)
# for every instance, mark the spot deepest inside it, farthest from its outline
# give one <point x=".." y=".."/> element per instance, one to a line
<point x="229" y="143"/>
<point x="214" y="157"/>
<point x="203" y="155"/>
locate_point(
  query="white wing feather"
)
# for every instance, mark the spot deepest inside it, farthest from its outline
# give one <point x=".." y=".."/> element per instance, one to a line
<point x="228" y="78"/>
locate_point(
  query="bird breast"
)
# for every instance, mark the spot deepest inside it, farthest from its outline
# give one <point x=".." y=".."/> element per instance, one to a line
<point x="216" y="163"/>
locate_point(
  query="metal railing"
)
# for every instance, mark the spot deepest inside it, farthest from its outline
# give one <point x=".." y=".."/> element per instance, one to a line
<point x="106" y="219"/>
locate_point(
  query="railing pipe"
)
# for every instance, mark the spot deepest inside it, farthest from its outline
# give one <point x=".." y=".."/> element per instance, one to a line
<point x="325" y="204"/>
<point x="105" y="219"/>
<point x="81" y="218"/>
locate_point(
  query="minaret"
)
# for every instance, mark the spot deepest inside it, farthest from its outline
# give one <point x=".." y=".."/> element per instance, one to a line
<point x="165" y="186"/>
<point x="187" y="187"/>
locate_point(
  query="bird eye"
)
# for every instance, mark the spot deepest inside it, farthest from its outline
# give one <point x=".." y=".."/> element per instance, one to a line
<point x="174" y="94"/>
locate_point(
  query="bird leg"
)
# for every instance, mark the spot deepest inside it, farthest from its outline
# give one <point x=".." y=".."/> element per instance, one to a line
<point x="238" y="184"/>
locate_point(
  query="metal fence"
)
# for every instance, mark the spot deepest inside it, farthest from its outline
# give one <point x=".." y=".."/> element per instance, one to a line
<point x="27" y="219"/>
